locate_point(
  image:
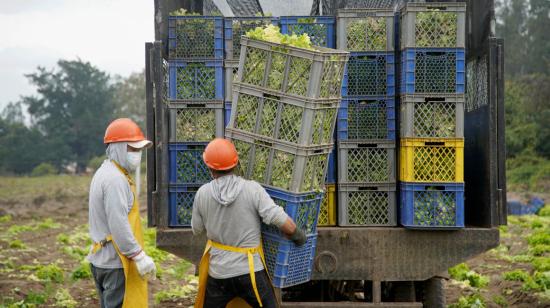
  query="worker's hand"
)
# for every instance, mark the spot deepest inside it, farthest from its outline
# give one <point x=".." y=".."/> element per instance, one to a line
<point x="145" y="266"/>
<point x="298" y="237"/>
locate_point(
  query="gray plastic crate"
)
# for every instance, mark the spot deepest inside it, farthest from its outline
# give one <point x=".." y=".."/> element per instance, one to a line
<point x="292" y="169"/>
<point x="441" y="25"/>
<point x="367" y="205"/>
<point x="365" y="29"/>
<point x="366" y="162"/>
<point x="236" y="27"/>
<point x="285" y="119"/>
<point x="292" y="71"/>
<point x="432" y="116"/>
<point x="195" y="120"/>
<point x="231" y="68"/>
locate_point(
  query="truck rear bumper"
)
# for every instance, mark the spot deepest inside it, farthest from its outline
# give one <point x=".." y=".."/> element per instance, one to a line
<point x="380" y="254"/>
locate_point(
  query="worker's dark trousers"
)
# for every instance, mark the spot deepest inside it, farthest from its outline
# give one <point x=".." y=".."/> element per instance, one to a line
<point x="110" y="286"/>
<point x="220" y="291"/>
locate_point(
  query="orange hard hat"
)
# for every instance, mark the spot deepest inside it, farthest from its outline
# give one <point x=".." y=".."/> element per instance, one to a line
<point x="220" y="154"/>
<point x="124" y="129"/>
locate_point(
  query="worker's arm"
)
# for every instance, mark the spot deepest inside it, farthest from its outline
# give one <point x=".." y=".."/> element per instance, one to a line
<point x="116" y="207"/>
<point x="197" y="225"/>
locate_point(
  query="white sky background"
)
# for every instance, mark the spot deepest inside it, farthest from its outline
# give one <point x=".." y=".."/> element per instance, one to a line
<point x="110" y="34"/>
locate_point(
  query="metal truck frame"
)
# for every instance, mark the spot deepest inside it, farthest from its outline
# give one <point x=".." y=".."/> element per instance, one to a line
<point x="376" y="260"/>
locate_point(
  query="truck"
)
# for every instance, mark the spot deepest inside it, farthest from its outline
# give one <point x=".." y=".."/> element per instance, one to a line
<point x="368" y="266"/>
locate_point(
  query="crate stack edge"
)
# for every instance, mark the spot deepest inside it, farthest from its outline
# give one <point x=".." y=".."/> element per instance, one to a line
<point x="195" y="100"/>
<point x="432" y="45"/>
<point x="366" y="131"/>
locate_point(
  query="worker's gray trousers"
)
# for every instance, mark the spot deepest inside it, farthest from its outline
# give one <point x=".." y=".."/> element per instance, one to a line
<point x="110" y="286"/>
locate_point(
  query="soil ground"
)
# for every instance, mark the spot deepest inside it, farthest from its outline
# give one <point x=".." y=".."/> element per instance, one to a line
<point x="43" y="223"/>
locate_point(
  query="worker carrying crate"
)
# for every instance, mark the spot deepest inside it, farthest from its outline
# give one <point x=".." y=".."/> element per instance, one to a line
<point x="229" y="209"/>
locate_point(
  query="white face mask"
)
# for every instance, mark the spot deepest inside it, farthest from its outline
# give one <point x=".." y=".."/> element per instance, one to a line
<point x="134" y="160"/>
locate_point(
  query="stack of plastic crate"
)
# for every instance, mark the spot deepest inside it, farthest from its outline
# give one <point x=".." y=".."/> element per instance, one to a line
<point x="432" y="115"/>
<point x="366" y="119"/>
<point x="282" y="122"/>
<point x="321" y="30"/>
<point x="194" y="76"/>
<point x="234" y="28"/>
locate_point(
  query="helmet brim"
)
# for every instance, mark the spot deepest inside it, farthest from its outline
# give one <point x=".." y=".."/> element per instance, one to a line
<point x="142" y="144"/>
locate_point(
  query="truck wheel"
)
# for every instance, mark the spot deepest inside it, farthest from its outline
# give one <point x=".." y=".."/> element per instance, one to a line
<point x="434" y="295"/>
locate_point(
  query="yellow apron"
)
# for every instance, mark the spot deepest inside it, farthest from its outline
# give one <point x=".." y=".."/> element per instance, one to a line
<point x="135" y="293"/>
<point x="205" y="264"/>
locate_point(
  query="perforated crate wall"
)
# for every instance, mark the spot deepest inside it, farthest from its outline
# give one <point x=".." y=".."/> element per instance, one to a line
<point x="230" y="68"/>
<point x="367" y="205"/>
<point x="432" y="205"/>
<point x="195" y="37"/>
<point x="292" y="169"/>
<point x="181" y="200"/>
<point x="196" y="120"/>
<point x="320" y="29"/>
<point x="283" y="118"/>
<point x="436" y="70"/>
<point x="365" y="29"/>
<point x="327" y="213"/>
<point x="433" y="25"/>
<point x="186" y="164"/>
<point x="195" y="80"/>
<point x="235" y="27"/>
<point x="432" y="116"/>
<point x="288" y="264"/>
<point x="366" y="163"/>
<point x="303" y="208"/>
<point x="431" y="160"/>
<point x="292" y="71"/>
<point x="366" y="118"/>
<point x="369" y="74"/>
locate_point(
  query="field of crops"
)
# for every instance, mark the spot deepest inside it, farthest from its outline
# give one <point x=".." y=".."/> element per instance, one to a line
<point x="44" y="239"/>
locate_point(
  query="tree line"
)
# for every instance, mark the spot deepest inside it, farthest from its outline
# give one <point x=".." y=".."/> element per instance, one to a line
<point x="64" y="122"/>
<point x="525" y="26"/>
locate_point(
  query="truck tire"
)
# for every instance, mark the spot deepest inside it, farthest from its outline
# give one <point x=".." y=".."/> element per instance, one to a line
<point x="434" y="295"/>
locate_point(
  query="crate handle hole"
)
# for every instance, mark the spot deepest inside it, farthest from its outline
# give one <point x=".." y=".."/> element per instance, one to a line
<point x="273" y="97"/>
<point x="435" y="8"/>
<point x="367" y="145"/>
<point x="435" y="143"/>
<point x="367" y="188"/>
<point x="263" y="143"/>
<point x="435" y="53"/>
<point x="434" y="99"/>
<point x="441" y="188"/>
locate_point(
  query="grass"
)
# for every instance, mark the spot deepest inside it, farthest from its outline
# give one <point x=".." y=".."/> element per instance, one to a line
<point x="50" y="272"/>
<point x="175" y="292"/>
<point x="516" y="275"/>
<point x="470" y="301"/>
<point x="39" y="189"/>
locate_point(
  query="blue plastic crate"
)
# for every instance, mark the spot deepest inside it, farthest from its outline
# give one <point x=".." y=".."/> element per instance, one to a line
<point x="288" y="264"/>
<point x="227" y="112"/>
<point x="433" y="70"/>
<point x="432" y="205"/>
<point x="319" y="28"/>
<point x="195" y="79"/>
<point x="195" y="37"/>
<point x="181" y="198"/>
<point x="331" y="171"/>
<point x="186" y="164"/>
<point x="235" y="27"/>
<point x="369" y="74"/>
<point x="366" y="118"/>
<point x="515" y="207"/>
<point x="303" y="208"/>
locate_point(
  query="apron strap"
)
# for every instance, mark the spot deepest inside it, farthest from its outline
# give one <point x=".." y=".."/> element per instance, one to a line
<point x="250" y="254"/>
<point x="98" y="245"/>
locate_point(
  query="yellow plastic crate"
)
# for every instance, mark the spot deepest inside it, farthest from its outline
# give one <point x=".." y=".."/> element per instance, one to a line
<point x="327" y="214"/>
<point x="432" y="160"/>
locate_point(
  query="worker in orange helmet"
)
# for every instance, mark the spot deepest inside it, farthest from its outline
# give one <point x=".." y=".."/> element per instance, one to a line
<point x="232" y="270"/>
<point x="119" y="265"/>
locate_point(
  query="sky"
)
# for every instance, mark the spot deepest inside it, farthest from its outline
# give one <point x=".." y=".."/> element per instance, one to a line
<point x="110" y="34"/>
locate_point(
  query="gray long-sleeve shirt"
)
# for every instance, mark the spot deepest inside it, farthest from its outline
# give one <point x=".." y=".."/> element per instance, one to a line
<point x="110" y="202"/>
<point x="229" y="209"/>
